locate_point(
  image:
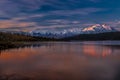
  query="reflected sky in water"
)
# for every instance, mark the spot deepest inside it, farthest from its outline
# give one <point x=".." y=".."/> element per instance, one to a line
<point x="61" y="61"/>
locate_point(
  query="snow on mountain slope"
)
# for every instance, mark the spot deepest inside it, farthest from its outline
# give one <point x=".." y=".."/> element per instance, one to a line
<point x="56" y="33"/>
<point x="97" y="28"/>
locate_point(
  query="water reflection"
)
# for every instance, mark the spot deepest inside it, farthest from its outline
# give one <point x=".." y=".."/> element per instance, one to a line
<point x="97" y="51"/>
<point x="61" y="61"/>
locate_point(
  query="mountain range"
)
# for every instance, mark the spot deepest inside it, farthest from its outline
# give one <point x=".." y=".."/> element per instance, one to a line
<point x="97" y="32"/>
<point x="94" y="29"/>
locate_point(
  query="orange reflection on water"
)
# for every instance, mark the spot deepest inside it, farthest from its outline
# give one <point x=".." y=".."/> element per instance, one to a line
<point x="96" y="51"/>
<point x="21" y="53"/>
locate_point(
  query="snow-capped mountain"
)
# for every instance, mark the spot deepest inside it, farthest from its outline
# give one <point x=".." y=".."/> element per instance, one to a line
<point x="56" y="33"/>
<point x="97" y="28"/>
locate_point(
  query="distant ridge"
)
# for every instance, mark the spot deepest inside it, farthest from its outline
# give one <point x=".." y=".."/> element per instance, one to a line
<point x="94" y="37"/>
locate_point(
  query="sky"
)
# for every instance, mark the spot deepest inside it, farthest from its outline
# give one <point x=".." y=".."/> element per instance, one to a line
<point x="30" y="15"/>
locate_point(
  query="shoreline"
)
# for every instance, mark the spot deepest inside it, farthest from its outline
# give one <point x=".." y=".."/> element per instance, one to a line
<point x="9" y="45"/>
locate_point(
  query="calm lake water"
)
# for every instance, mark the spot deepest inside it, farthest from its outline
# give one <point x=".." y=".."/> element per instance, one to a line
<point x="62" y="61"/>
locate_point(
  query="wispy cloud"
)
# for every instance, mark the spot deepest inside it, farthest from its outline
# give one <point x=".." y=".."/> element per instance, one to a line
<point x="83" y="11"/>
<point x="56" y="13"/>
<point x="27" y="17"/>
<point x="10" y="23"/>
<point x="20" y="7"/>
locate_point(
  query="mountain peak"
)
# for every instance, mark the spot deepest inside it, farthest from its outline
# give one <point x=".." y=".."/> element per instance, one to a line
<point x="107" y="27"/>
<point x="99" y="28"/>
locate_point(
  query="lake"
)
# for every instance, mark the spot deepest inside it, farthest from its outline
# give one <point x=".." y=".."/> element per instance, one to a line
<point x="89" y="60"/>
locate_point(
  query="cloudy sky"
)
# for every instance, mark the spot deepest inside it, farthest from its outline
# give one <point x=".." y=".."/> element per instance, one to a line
<point x="57" y="14"/>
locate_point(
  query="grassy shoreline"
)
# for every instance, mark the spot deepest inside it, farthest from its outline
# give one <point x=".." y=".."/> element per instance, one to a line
<point x="16" y="44"/>
<point x="8" y="45"/>
<point x="8" y="40"/>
